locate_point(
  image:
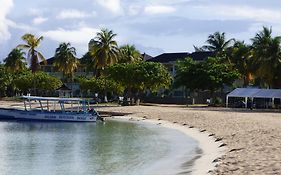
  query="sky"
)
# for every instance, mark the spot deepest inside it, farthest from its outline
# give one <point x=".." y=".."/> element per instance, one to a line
<point x="153" y="26"/>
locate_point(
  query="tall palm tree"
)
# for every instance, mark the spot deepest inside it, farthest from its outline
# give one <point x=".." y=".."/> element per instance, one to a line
<point x="15" y="61"/>
<point x="129" y="54"/>
<point x="267" y="52"/>
<point x="218" y="43"/>
<point x="34" y="56"/>
<point x="104" y="49"/>
<point x="65" y="60"/>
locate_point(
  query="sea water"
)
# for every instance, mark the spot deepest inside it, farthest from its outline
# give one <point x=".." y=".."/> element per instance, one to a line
<point x="109" y="148"/>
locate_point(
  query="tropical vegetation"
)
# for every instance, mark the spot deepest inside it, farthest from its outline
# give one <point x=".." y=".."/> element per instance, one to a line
<point x="217" y="43"/>
<point x="212" y="74"/>
<point x="15" y="61"/>
<point x="65" y="60"/>
<point x="129" y="54"/>
<point x="104" y="50"/>
<point x="23" y="82"/>
<point x="267" y="55"/>
<point x="100" y="85"/>
<point x="122" y="71"/>
<point x="138" y="77"/>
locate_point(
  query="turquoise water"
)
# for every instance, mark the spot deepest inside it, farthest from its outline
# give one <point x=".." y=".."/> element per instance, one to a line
<point x="113" y="147"/>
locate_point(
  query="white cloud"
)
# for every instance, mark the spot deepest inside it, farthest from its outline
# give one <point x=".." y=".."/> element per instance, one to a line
<point x="112" y="5"/>
<point x="72" y="13"/>
<point x="241" y="12"/>
<point x="159" y="9"/>
<point x="39" y="20"/>
<point x="134" y="10"/>
<point x="79" y="36"/>
<point x="35" y="12"/>
<point x="20" y="26"/>
<point x="5" y="8"/>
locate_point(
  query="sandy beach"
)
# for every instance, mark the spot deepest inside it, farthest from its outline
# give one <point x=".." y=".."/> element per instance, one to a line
<point x="252" y="139"/>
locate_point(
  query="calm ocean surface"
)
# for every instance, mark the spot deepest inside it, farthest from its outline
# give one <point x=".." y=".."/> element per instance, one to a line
<point x="113" y="147"/>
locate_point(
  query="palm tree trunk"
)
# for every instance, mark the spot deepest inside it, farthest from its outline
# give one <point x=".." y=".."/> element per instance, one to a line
<point x="71" y="79"/>
<point x="105" y="91"/>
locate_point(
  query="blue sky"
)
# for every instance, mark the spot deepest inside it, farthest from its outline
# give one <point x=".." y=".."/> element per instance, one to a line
<point x="153" y="26"/>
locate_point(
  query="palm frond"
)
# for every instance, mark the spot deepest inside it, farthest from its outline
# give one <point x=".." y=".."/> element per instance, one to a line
<point x="23" y="46"/>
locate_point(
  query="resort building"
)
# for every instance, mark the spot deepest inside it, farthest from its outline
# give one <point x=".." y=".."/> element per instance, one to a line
<point x="50" y="68"/>
<point x="81" y="71"/>
<point x="170" y="59"/>
<point x="146" y="57"/>
<point x="167" y="59"/>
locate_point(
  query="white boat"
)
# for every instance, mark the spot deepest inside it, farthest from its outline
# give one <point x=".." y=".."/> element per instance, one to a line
<point x="46" y="110"/>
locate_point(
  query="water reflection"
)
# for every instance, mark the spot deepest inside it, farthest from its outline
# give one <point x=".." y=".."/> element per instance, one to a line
<point x="81" y="148"/>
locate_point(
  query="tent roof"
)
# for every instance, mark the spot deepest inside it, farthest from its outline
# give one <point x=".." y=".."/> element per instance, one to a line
<point x="255" y="93"/>
<point x="269" y="93"/>
<point x="243" y="92"/>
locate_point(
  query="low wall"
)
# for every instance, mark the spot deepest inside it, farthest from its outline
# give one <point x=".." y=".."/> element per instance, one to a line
<point x="199" y="98"/>
<point x="167" y="100"/>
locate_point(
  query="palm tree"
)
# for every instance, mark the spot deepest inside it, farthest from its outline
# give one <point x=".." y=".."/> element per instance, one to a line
<point x="105" y="52"/>
<point x="267" y="52"/>
<point x="129" y="54"/>
<point x="242" y="57"/>
<point x="15" y="61"/>
<point x="218" y="43"/>
<point x="65" y="60"/>
<point x="32" y="42"/>
<point x="104" y="49"/>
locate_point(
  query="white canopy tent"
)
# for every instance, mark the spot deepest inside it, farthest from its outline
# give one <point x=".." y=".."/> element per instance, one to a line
<point x="254" y="93"/>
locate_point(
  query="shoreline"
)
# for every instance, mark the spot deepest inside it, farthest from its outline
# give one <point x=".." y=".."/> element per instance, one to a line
<point x="251" y="138"/>
<point x="209" y="149"/>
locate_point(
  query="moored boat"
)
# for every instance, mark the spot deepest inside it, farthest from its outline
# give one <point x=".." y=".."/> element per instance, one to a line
<point x="45" y="108"/>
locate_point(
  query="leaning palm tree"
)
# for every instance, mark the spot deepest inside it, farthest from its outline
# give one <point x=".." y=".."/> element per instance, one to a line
<point x="218" y="43"/>
<point x="104" y="49"/>
<point x="267" y="53"/>
<point x="129" y="54"/>
<point x="34" y="56"/>
<point x="15" y="61"/>
<point x="65" y="60"/>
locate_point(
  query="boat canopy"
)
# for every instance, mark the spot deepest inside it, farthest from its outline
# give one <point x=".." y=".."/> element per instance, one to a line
<point x="51" y="98"/>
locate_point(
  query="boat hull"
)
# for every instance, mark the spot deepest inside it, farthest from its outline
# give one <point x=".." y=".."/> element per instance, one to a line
<point x="47" y="115"/>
